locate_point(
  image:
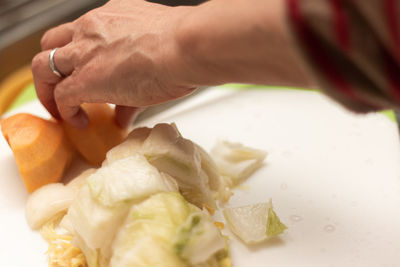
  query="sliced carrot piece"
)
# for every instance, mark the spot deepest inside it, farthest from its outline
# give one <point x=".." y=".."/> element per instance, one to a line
<point x="99" y="137"/>
<point x="41" y="149"/>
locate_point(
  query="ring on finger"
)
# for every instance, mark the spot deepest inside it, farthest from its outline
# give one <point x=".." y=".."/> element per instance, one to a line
<point x="53" y="65"/>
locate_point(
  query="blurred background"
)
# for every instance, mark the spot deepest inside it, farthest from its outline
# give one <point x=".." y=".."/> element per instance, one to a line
<point x="22" y="23"/>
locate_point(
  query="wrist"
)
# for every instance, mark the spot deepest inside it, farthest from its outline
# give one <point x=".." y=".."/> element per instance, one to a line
<point x="176" y="58"/>
<point x="223" y="41"/>
<point x="196" y="46"/>
<point x="226" y="41"/>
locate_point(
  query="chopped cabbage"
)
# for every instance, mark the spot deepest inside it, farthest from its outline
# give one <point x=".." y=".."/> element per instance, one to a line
<point x="102" y="204"/>
<point x="210" y="168"/>
<point x="198" y="238"/>
<point x="126" y="179"/>
<point x="225" y="192"/>
<point x="147" y="251"/>
<point x="165" y="148"/>
<point x="94" y="226"/>
<point x="169" y="152"/>
<point x="254" y="223"/>
<point x="177" y="231"/>
<point x="131" y="145"/>
<point x="76" y="183"/>
<point x="237" y="161"/>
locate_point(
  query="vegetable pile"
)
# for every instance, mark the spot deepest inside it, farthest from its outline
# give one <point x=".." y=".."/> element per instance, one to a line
<point x="150" y="203"/>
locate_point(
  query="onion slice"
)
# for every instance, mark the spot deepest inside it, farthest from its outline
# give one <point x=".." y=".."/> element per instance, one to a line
<point x="46" y="202"/>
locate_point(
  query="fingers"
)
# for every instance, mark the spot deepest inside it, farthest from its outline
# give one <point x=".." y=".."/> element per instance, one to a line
<point x="59" y="96"/>
<point x="82" y="87"/>
<point x="45" y="80"/>
<point x="125" y="116"/>
<point x="58" y="36"/>
<point x="65" y="59"/>
<point x="68" y="100"/>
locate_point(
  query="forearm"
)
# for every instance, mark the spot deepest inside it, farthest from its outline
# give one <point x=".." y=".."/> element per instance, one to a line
<point x="239" y="41"/>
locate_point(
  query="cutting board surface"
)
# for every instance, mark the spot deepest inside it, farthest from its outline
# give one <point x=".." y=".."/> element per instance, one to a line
<point x="333" y="176"/>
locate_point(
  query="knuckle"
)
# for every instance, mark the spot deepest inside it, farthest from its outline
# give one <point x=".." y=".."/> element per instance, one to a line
<point x="88" y="20"/>
<point x="44" y="41"/>
<point x="62" y="103"/>
<point x="58" y="95"/>
<point x="65" y="92"/>
<point x="37" y="63"/>
<point x="89" y="24"/>
<point x="76" y="54"/>
<point x="84" y="20"/>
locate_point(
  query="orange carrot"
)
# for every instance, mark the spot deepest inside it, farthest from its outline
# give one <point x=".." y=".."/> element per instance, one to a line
<point x="101" y="135"/>
<point x="41" y="149"/>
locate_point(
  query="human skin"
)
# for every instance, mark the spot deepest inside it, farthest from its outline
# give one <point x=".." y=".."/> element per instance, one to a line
<point x="136" y="54"/>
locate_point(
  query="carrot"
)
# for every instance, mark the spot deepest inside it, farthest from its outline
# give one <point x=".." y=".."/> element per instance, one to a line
<point x="99" y="137"/>
<point x="41" y="149"/>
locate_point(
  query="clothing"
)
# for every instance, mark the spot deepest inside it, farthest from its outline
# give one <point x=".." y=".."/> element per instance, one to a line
<point x="353" y="49"/>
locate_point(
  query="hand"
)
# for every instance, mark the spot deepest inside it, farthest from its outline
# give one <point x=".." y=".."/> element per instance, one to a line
<point x="122" y="53"/>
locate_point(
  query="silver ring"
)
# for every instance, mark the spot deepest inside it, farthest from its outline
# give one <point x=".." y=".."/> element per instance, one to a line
<point x="53" y="65"/>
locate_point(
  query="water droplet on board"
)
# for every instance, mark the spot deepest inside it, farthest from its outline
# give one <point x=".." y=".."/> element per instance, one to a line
<point x="354" y="204"/>
<point x="355" y="133"/>
<point x="329" y="228"/>
<point x="257" y="115"/>
<point x="296" y="218"/>
<point x="369" y="161"/>
<point x="284" y="186"/>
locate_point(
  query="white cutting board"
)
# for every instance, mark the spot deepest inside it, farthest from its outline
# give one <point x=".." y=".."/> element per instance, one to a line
<point x="333" y="176"/>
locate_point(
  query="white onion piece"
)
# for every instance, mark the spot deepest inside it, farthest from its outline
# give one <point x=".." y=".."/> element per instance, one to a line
<point x="46" y="202"/>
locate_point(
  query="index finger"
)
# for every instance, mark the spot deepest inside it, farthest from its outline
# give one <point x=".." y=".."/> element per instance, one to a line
<point x="45" y="82"/>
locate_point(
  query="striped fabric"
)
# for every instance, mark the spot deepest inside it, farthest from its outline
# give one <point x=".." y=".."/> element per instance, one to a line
<point x="353" y="49"/>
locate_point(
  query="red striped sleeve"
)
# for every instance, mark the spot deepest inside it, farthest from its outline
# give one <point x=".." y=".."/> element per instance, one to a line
<point x="341" y="24"/>
<point x="391" y="68"/>
<point x="390" y="9"/>
<point x="317" y="52"/>
<point x="392" y="72"/>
